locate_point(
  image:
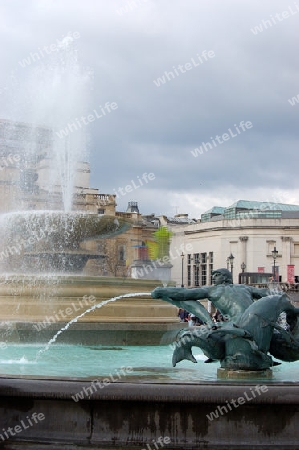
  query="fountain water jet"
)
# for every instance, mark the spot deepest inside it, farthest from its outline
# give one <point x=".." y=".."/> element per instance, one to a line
<point x="99" y="305"/>
<point x="54" y="143"/>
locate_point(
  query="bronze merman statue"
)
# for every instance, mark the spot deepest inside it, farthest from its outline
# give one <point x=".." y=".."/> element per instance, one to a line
<point x="249" y="331"/>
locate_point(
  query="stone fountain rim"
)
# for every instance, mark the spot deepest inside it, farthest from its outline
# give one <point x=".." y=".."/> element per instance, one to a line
<point x="205" y="392"/>
<point x="71" y="278"/>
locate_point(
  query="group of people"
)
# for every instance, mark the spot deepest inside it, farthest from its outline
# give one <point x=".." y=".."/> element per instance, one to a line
<point x="193" y="321"/>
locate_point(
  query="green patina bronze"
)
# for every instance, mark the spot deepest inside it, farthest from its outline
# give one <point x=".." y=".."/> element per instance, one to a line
<point x="250" y="334"/>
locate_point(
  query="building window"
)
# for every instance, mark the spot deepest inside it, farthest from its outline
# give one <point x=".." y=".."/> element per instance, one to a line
<point x="196" y="269"/>
<point x="101" y="211"/>
<point x="196" y="275"/>
<point x="203" y="268"/>
<point x="142" y="252"/>
<point x="211" y="257"/>
<point x="121" y="253"/>
<point x="189" y="275"/>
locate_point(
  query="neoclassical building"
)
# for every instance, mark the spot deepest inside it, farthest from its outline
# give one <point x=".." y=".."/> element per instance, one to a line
<point x="247" y="230"/>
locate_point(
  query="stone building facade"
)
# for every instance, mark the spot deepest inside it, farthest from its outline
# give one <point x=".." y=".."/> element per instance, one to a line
<point x="249" y="231"/>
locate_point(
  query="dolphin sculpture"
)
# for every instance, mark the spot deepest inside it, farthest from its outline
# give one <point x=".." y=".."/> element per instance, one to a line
<point x="245" y="343"/>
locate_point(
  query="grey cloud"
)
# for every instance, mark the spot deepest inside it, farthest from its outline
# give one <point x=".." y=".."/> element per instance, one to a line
<point x="155" y="128"/>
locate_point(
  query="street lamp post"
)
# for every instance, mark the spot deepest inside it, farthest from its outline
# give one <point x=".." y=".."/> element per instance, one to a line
<point x="231" y="260"/>
<point x="274" y="256"/>
<point x="182" y="256"/>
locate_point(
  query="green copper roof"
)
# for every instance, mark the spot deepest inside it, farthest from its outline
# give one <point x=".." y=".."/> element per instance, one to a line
<point x="246" y="204"/>
<point x="243" y="208"/>
<point x="215" y="210"/>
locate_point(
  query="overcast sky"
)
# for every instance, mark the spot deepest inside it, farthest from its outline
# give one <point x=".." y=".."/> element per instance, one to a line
<point x="225" y="70"/>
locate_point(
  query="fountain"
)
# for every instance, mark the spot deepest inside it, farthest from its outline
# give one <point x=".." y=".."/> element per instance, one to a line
<point x="92" y="382"/>
<point x="257" y="323"/>
<point x="51" y="239"/>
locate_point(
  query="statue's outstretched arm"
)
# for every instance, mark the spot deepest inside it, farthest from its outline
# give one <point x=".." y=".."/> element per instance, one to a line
<point x="181" y="294"/>
<point x="186" y="299"/>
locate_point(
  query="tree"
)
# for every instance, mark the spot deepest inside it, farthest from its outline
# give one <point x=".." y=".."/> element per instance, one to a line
<point x="160" y="246"/>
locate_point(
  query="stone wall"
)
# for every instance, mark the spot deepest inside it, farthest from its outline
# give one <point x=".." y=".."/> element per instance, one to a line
<point x="133" y="416"/>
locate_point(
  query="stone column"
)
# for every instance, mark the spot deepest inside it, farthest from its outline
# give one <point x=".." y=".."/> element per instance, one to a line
<point x="286" y="255"/>
<point x="243" y="254"/>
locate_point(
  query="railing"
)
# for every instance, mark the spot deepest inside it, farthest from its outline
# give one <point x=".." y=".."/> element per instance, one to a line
<point x="105" y="197"/>
<point x="286" y="287"/>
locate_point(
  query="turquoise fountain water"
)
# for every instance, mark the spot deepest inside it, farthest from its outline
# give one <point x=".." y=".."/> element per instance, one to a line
<point x="92" y="308"/>
<point x="146" y="363"/>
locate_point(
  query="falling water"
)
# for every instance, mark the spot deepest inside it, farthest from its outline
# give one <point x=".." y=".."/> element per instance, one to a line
<point x="51" y="97"/>
<point x="43" y="128"/>
<point x="98" y="305"/>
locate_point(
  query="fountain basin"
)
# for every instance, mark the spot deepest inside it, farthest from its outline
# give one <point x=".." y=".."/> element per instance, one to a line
<point x="34" y="308"/>
<point x="133" y="414"/>
<point x="59" y="229"/>
<point x="49" y="241"/>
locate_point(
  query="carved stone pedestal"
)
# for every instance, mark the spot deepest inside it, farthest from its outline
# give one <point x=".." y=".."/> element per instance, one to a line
<point x="243" y="374"/>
